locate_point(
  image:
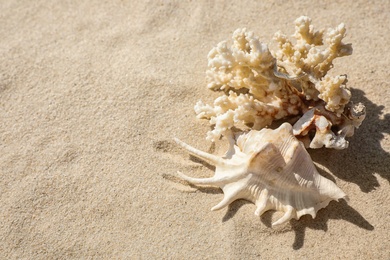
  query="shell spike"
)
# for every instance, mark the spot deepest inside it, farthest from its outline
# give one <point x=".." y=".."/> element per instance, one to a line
<point x="232" y="195"/>
<point x="262" y="204"/>
<point x="260" y="209"/>
<point x="213" y="159"/>
<point x="224" y="202"/>
<point x="199" y="181"/>
<point x="286" y="217"/>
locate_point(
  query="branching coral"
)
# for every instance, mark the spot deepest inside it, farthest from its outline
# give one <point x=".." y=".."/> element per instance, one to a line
<point x="255" y="96"/>
<point x="310" y="57"/>
<point x="261" y="86"/>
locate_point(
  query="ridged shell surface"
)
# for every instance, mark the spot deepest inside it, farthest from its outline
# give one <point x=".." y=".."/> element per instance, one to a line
<point x="272" y="169"/>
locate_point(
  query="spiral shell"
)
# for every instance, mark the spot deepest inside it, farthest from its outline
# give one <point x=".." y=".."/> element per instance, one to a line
<point x="271" y="169"/>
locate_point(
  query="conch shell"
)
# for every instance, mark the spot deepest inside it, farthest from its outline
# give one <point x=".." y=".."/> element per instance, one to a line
<point x="273" y="170"/>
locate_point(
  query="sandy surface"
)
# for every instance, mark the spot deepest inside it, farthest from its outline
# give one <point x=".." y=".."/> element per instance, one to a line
<point x="92" y="93"/>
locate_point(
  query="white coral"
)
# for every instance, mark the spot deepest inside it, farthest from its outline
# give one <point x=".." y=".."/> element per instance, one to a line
<point x="334" y="92"/>
<point x="241" y="111"/>
<point x="310" y="56"/>
<point x="261" y="87"/>
<point x="246" y="64"/>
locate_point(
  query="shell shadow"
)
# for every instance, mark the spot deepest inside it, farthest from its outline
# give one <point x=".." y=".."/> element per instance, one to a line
<point x="204" y="163"/>
<point x="365" y="155"/>
<point x="340" y="210"/>
<point x="204" y="189"/>
<point x="233" y="209"/>
<point x="335" y="210"/>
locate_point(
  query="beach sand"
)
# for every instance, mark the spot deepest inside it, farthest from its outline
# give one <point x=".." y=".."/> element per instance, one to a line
<point x="91" y="95"/>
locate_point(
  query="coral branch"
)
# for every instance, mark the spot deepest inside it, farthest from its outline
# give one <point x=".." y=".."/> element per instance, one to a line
<point x="261" y="86"/>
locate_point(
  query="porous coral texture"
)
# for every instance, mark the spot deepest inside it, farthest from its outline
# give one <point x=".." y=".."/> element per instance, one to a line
<point x="260" y="86"/>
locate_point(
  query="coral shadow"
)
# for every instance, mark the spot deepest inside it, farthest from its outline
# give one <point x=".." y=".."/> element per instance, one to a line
<point x="365" y="155"/>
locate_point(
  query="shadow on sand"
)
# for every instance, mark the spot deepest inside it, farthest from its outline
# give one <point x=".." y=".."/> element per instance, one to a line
<point x="357" y="164"/>
<point x="335" y="210"/>
<point x="365" y="156"/>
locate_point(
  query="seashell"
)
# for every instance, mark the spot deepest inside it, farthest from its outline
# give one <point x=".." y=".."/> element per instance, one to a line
<point x="273" y="170"/>
<point x="324" y="136"/>
<point x="323" y="122"/>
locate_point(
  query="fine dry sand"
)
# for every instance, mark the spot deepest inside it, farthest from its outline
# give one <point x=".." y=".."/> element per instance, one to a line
<point x="91" y="95"/>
